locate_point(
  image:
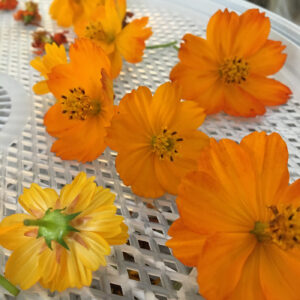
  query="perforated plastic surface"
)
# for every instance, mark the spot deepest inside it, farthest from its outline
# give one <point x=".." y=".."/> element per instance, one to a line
<point x="144" y="268"/>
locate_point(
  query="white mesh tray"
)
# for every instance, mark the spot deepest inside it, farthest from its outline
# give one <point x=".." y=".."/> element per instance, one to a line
<point x="144" y="268"/>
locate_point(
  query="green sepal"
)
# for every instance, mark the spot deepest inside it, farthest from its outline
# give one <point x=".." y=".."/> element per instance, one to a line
<point x="54" y="226"/>
<point x="63" y="243"/>
<point x="73" y="216"/>
<point x="27" y="19"/>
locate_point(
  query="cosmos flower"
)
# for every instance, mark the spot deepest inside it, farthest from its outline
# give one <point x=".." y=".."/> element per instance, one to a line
<point x="109" y="29"/>
<point x="55" y="55"/>
<point x="84" y="108"/>
<point x="157" y="139"/>
<point x="240" y="221"/>
<point x="229" y="69"/>
<point x="63" y="238"/>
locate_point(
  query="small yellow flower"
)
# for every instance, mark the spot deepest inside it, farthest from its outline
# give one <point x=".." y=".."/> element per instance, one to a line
<point x="64" y="238"/>
<point x="55" y="55"/>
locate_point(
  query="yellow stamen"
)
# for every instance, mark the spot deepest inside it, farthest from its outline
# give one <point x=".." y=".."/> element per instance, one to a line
<point x="165" y="144"/>
<point x="95" y="31"/>
<point x="78" y="105"/>
<point x="283" y="229"/>
<point x="234" y="70"/>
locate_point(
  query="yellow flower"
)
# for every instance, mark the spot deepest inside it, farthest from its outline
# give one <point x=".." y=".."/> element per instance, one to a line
<point x="63" y="238"/>
<point x="108" y="28"/>
<point x="55" y="55"/>
<point x="68" y="12"/>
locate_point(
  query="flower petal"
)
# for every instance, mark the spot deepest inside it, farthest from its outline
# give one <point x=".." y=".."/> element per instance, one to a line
<point x="82" y="143"/>
<point x="221" y="264"/>
<point x="280" y="272"/>
<point x="22" y="267"/>
<point x="253" y="31"/>
<point x="269" y="156"/>
<point x="12" y="231"/>
<point x="36" y="200"/>
<point x="240" y="103"/>
<point x="266" y="90"/>
<point x="269" y="59"/>
<point x="131" y="40"/>
<point x="186" y="244"/>
<point x="221" y="32"/>
<point x="136" y="169"/>
<point x="249" y="286"/>
<point x="79" y="194"/>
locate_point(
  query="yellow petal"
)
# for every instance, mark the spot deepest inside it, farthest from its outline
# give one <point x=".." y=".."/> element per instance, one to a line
<point x="22" y="267"/>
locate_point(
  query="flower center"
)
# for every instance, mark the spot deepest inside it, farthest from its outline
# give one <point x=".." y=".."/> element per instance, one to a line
<point x="234" y="70"/>
<point x="283" y="230"/>
<point x="78" y="105"/>
<point x="54" y="226"/>
<point x="165" y="144"/>
<point x="95" y="31"/>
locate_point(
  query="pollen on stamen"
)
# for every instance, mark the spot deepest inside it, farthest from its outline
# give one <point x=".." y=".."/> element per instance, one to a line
<point x="165" y="144"/>
<point x="78" y="106"/>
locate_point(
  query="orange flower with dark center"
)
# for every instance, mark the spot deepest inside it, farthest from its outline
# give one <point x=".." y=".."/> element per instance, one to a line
<point x="84" y="108"/>
<point x="69" y="12"/>
<point x="228" y="71"/>
<point x="156" y="138"/>
<point x="118" y="39"/>
<point x="240" y="221"/>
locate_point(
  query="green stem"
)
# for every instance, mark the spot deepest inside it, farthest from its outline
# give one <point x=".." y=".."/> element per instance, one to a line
<point x="171" y="44"/>
<point x="9" y="286"/>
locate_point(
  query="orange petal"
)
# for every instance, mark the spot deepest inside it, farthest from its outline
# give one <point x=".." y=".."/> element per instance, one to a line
<point x="252" y="34"/>
<point x="226" y="187"/>
<point x="22" y="267"/>
<point x="170" y="173"/>
<point x="280" y="273"/>
<point x="240" y="103"/>
<point x="134" y="108"/>
<point x="268" y="91"/>
<point x="58" y="123"/>
<point x="195" y="52"/>
<point x="269" y="59"/>
<point x="61" y="11"/>
<point x="221" y="32"/>
<point x="194" y="82"/>
<point x="116" y="63"/>
<point x="136" y="169"/>
<point x="131" y="41"/>
<point x="186" y="244"/>
<point x="292" y="194"/>
<point x="269" y="156"/>
<point x="82" y="143"/>
<point x="249" y="285"/>
<point x="221" y="264"/>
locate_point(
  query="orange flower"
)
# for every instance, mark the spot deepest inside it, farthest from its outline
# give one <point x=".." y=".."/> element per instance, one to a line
<point x="84" y="108"/>
<point x="107" y="28"/>
<point x="228" y="71"/>
<point x="156" y="139"/>
<point x="69" y="12"/>
<point x="63" y="238"/>
<point x="55" y="55"/>
<point x="240" y="221"/>
<point x="8" y="4"/>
